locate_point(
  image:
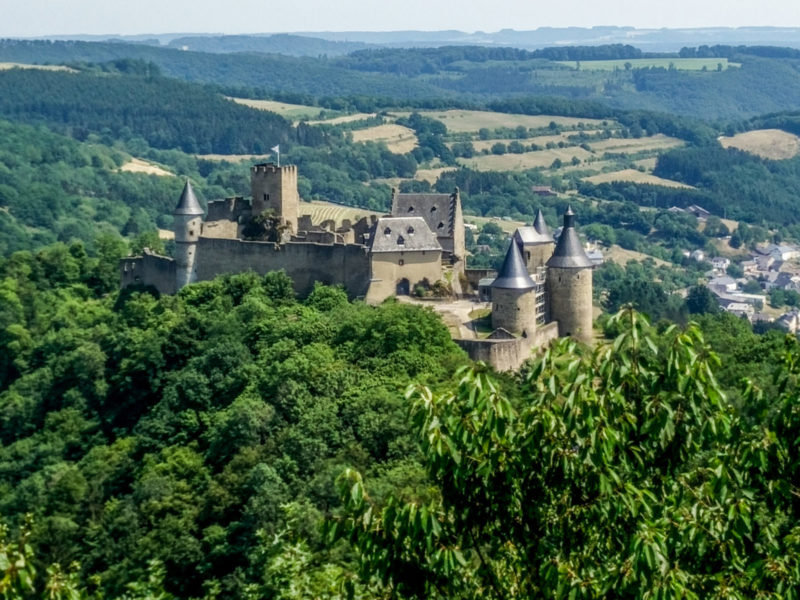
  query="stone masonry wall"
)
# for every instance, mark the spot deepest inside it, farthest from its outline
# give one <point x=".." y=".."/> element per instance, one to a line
<point x="508" y="355"/>
<point x="305" y="263"/>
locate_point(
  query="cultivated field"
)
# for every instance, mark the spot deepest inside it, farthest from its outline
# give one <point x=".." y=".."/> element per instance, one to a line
<point x="526" y="160"/>
<point x="774" y="144"/>
<point x="137" y="165"/>
<point x="431" y="175"/>
<point x="633" y="145"/>
<point x="322" y="211"/>
<point x="295" y="112"/>
<point x="10" y="65"/>
<point x="235" y="157"/>
<point x="462" y="121"/>
<point x="634" y="176"/>
<point x="681" y="64"/>
<point x="398" y="139"/>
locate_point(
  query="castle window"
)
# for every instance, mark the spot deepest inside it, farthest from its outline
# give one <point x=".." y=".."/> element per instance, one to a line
<point x="433" y="209"/>
<point x="191" y="232"/>
<point x="387" y="231"/>
<point x="401" y="240"/>
<point x="410" y="230"/>
<point x="401" y="262"/>
<point x="440" y="225"/>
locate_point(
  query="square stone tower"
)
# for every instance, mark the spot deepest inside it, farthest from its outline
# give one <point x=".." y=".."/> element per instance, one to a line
<point x="274" y="189"/>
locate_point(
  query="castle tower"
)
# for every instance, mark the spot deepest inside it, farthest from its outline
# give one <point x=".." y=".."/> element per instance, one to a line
<point x="569" y="284"/>
<point x="536" y="243"/>
<point x="514" y="296"/>
<point x="274" y="189"/>
<point x="188" y="224"/>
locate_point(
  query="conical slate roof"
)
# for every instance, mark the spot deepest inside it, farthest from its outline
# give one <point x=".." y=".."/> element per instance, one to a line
<point x="569" y="253"/>
<point x="513" y="274"/>
<point x="540" y="225"/>
<point x="188" y="204"/>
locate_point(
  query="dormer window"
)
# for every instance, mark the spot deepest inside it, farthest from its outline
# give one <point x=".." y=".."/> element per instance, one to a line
<point x="440" y="225"/>
<point x="387" y="231"/>
<point x="410" y="209"/>
<point x="433" y="208"/>
<point x="410" y="230"/>
<point x="401" y="240"/>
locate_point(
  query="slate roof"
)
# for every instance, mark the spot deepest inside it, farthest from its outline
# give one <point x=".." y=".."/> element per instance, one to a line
<point x="403" y="234"/>
<point x="569" y="253"/>
<point x="540" y="224"/>
<point x="513" y="274"/>
<point x="529" y="235"/>
<point x="188" y="204"/>
<point x="438" y="210"/>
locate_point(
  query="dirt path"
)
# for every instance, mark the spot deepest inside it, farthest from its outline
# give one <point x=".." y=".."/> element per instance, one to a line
<point x="455" y="314"/>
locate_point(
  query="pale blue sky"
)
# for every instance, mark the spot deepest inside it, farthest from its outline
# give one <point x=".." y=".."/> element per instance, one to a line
<point x="42" y="17"/>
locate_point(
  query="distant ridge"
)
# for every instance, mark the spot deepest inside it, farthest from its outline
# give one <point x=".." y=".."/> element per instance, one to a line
<point x="649" y="40"/>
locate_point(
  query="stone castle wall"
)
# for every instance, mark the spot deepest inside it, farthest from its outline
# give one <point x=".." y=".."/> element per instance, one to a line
<point x="304" y="263"/>
<point x="508" y="355"/>
<point x="148" y="269"/>
<point x="570" y="302"/>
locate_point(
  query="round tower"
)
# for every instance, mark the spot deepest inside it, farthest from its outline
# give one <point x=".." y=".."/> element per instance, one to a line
<point x="569" y="284"/>
<point x="513" y="296"/>
<point x="188" y="223"/>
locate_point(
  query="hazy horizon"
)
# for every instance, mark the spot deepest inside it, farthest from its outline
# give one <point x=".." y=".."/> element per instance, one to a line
<point x="43" y="18"/>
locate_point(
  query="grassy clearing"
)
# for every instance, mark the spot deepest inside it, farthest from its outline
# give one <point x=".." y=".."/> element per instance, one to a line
<point x="343" y="119"/>
<point x="681" y="64"/>
<point x="323" y="211"/>
<point x="464" y="121"/>
<point x="526" y="160"/>
<point x="398" y="139"/>
<point x="774" y="144"/>
<point x="621" y="256"/>
<point x="295" y="112"/>
<point x="634" y="176"/>
<point x="137" y="165"/>
<point x="4" y="66"/>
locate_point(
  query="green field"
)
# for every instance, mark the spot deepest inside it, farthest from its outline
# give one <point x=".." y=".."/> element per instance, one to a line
<point x="682" y="64"/>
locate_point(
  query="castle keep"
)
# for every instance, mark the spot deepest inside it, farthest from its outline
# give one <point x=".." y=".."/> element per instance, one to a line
<point x="542" y="291"/>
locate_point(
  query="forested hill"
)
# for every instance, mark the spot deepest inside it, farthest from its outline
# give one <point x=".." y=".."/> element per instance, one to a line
<point x="758" y="81"/>
<point x="166" y="112"/>
<point x="281" y="43"/>
<point x="203" y="430"/>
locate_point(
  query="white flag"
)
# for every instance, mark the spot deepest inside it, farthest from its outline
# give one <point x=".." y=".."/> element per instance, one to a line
<point x="276" y="148"/>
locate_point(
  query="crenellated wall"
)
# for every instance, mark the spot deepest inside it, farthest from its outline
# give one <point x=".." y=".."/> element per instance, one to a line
<point x="304" y="262"/>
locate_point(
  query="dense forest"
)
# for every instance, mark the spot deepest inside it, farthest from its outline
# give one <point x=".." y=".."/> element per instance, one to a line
<point x="764" y="81"/>
<point x="193" y="441"/>
<point x="203" y="430"/>
<point x="165" y="112"/>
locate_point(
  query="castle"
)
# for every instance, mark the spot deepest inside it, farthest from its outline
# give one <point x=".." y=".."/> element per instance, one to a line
<point x="542" y="291"/>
